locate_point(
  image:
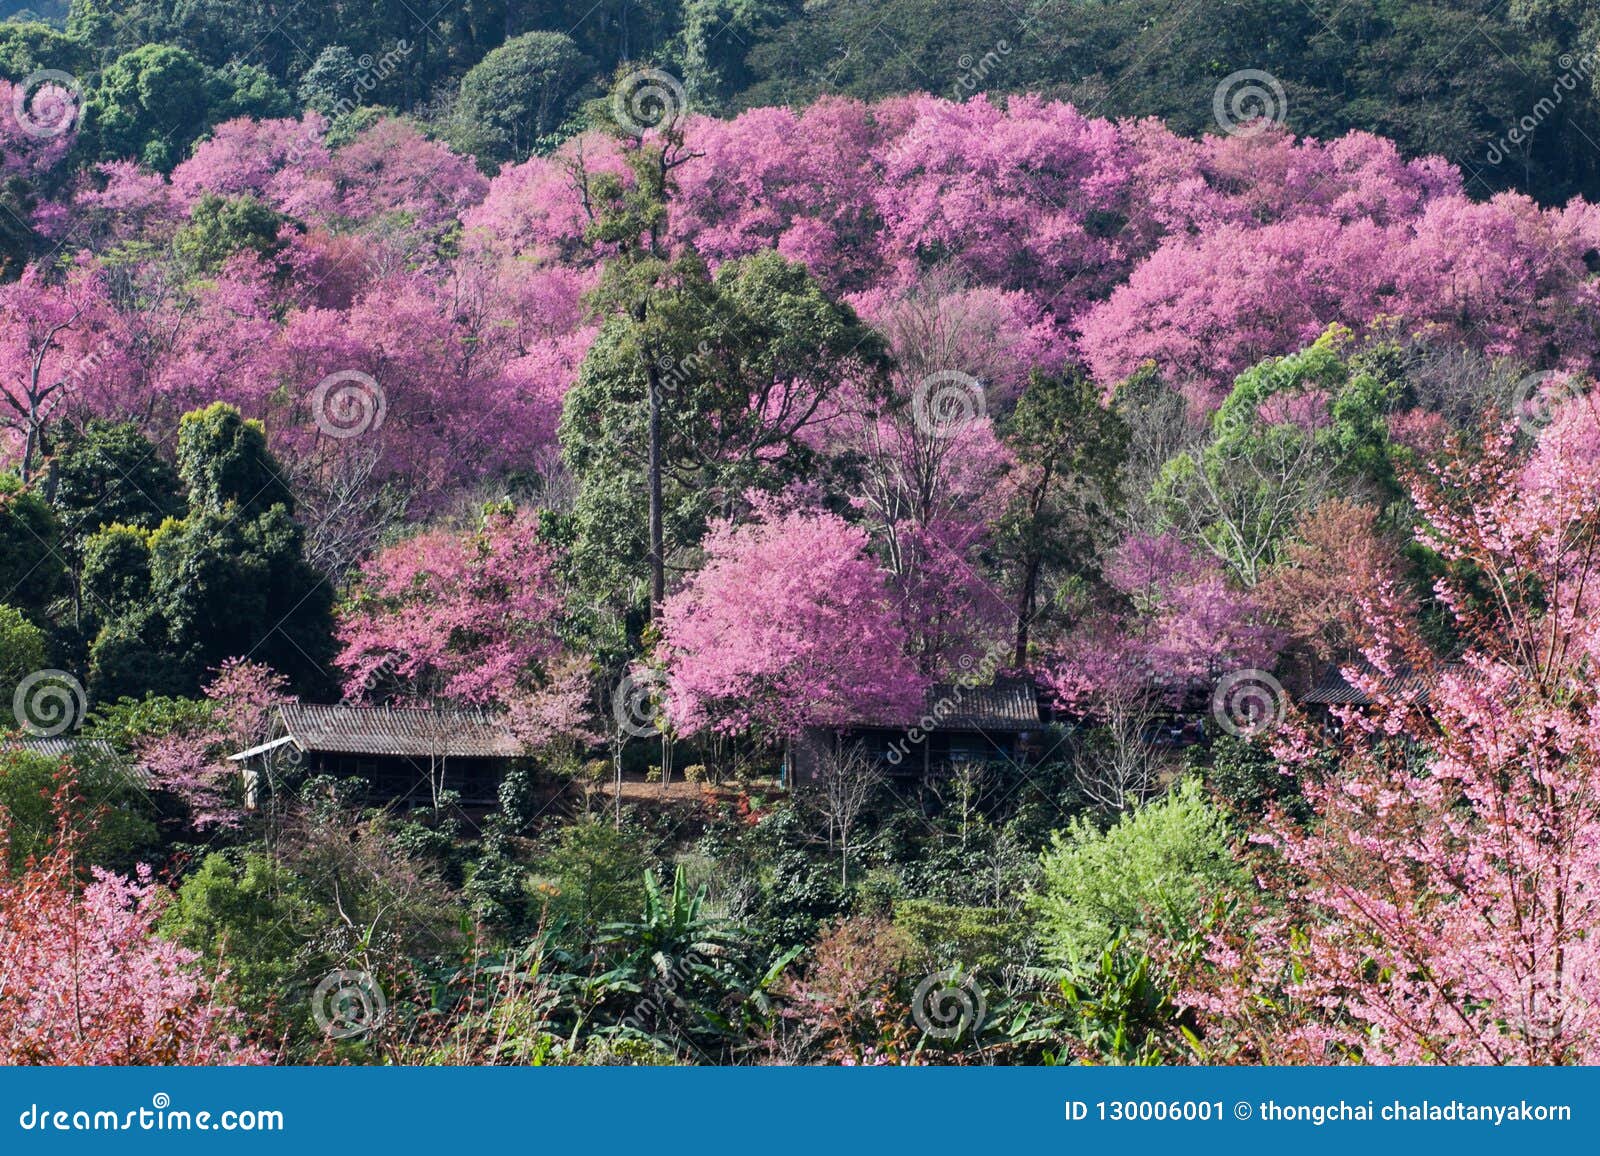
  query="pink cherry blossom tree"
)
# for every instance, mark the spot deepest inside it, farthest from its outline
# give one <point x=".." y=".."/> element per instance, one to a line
<point x="789" y="624"/>
<point x="85" y="979"/>
<point x="467" y="616"/>
<point x="1439" y="909"/>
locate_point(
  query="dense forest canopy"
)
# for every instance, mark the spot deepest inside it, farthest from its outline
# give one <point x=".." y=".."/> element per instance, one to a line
<point x="1454" y="80"/>
<point x="952" y="532"/>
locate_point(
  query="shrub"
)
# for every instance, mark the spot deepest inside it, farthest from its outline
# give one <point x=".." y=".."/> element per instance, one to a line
<point x="1152" y="873"/>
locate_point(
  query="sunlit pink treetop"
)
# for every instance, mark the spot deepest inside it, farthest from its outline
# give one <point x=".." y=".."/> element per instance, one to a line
<point x="467" y="616"/>
<point x="788" y="625"/>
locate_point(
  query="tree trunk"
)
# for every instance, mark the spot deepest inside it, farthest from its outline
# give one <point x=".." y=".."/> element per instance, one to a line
<point x="658" y="571"/>
<point x="1025" y="601"/>
<point x="616" y="801"/>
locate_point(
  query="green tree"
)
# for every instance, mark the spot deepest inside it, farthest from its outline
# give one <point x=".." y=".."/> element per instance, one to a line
<point x="105" y="474"/>
<point x="1291" y="429"/>
<point x="696" y="390"/>
<point x="1069" y="451"/>
<point x="109" y="472"/>
<point x="713" y="40"/>
<point x="330" y="83"/>
<point x="1153" y="874"/>
<point x="152" y="103"/>
<point x="116" y="816"/>
<point x="219" y="227"/>
<point x="253" y="918"/>
<point x="22" y="651"/>
<point x="592" y="875"/>
<point x="227" y="579"/>
<point x="33" y="572"/>
<point x="28" y="46"/>
<point x="519" y="93"/>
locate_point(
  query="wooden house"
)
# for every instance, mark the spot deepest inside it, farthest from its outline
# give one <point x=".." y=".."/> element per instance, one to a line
<point x="405" y="754"/>
<point x="1332" y="689"/>
<point x="999" y="723"/>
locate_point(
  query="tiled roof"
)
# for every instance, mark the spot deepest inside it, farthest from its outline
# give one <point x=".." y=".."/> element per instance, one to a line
<point x="1006" y="705"/>
<point x="415" y="732"/>
<point x="1332" y="689"/>
<point x="66" y="746"/>
<point x="58" y="746"/>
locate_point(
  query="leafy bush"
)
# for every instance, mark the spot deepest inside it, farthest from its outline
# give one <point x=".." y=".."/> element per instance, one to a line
<point x="593" y="875"/>
<point x="115" y="819"/>
<point x="1150" y="874"/>
<point x="254" y="918"/>
<point x="1246" y="780"/>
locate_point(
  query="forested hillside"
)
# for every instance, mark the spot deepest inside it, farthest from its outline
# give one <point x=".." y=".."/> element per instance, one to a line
<point x="754" y="533"/>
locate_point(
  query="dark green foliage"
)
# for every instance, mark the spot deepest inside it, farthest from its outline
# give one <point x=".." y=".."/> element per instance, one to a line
<point x="761" y="324"/>
<point x="330" y="84"/>
<point x="258" y="920"/>
<point x="33" y="573"/>
<point x="591" y="876"/>
<point x="768" y="875"/>
<point x="28" y="46"/>
<point x="219" y="227"/>
<point x="1070" y="449"/>
<point x="106" y="473"/>
<point x="227" y="579"/>
<point x="692" y="983"/>
<point x="1246" y="779"/>
<point x="519" y="94"/>
<point x="22" y="649"/>
<point x="152" y="103"/>
<point x="1120" y="1012"/>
